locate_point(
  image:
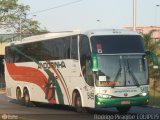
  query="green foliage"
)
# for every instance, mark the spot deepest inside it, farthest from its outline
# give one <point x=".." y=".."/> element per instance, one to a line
<point x="14" y="16"/>
<point x="149" y="42"/>
<point x="151" y="45"/>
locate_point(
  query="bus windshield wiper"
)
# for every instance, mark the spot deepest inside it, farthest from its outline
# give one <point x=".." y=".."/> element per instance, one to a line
<point x="132" y="75"/>
<point x="117" y="75"/>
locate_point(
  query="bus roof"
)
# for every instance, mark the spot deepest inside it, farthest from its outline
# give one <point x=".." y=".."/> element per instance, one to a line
<point x="110" y="32"/>
<point x="75" y="32"/>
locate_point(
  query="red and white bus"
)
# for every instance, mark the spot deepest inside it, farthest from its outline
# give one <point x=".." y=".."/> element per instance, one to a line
<point x="95" y="69"/>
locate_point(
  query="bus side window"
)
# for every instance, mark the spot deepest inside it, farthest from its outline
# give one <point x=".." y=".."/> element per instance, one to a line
<point x="74" y="48"/>
<point x="67" y="47"/>
<point x="8" y="55"/>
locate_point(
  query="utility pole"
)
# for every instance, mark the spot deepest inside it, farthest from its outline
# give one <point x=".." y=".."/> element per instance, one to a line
<point x="156" y="14"/>
<point x="134" y="15"/>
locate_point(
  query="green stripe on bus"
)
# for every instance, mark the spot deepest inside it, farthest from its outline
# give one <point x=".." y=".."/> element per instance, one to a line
<point x="58" y="89"/>
<point x="64" y="82"/>
<point x="59" y="94"/>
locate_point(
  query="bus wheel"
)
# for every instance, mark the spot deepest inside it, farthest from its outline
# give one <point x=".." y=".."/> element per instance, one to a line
<point x="123" y="109"/>
<point x="78" y="102"/>
<point x="27" y="101"/>
<point x="18" y="94"/>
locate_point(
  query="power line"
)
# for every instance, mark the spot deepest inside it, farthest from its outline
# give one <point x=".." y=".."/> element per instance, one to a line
<point x="62" y="5"/>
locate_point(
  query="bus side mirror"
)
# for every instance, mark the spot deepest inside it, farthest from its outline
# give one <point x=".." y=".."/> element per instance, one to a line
<point x="94" y="62"/>
<point x="154" y="58"/>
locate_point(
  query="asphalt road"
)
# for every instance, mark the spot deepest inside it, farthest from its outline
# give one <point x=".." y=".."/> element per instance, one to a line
<point x="13" y="110"/>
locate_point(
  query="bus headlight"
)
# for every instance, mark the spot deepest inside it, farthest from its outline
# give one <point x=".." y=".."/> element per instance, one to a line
<point x="104" y="95"/>
<point x="143" y="94"/>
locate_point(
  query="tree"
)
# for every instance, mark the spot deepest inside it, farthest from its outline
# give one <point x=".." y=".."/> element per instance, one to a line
<point x="148" y="41"/>
<point x="31" y="27"/>
<point x="151" y="45"/>
<point x="14" y="18"/>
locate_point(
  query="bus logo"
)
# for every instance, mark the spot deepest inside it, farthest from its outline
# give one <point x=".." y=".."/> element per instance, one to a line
<point x="54" y="64"/>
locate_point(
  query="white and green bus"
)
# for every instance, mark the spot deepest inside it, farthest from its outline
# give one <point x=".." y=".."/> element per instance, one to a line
<point x="84" y="69"/>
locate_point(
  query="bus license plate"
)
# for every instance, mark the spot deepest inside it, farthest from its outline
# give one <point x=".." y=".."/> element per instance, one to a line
<point x="125" y="102"/>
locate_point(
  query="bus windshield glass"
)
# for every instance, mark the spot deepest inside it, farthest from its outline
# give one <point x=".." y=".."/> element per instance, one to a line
<point x="122" y="70"/>
<point x="112" y="44"/>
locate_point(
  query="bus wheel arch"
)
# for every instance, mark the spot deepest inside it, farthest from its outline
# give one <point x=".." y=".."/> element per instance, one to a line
<point x="77" y="101"/>
<point x="18" y="93"/>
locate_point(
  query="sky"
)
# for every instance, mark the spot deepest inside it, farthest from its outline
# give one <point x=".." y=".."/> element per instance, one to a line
<point x="92" y="14"/>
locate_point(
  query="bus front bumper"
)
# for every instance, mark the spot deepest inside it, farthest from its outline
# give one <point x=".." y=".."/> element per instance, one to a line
<point x="117" y="102"/>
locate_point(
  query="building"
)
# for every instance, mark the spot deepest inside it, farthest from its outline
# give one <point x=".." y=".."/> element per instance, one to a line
<point x="147" y="29"/>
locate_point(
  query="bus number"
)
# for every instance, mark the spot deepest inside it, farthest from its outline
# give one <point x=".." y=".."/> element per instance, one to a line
<point x="144" y="89"/>
<point x="90" y="95"/>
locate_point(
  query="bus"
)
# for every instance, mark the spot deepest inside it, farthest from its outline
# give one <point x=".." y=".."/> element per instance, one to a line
<point x="84" y="69"/>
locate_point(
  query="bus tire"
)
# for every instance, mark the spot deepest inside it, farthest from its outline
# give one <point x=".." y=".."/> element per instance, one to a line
<point x="27" y="101"/>
<point x="124" y="109"/>
<point x="18" y="94"/>
<point x="78" y="102"/>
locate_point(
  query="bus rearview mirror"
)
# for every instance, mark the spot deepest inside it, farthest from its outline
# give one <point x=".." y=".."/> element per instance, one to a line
<point x="94" y="63"/>
<point x="154" y="58"/>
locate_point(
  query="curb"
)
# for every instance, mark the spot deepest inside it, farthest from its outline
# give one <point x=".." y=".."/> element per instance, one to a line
<point x="149" y="106"/>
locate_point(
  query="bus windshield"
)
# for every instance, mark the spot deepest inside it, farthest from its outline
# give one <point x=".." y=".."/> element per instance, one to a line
<point x="113" y="44"/>
<point x="122" y="70"/>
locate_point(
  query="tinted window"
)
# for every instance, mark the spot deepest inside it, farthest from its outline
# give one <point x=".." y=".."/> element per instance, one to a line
<point x="56" y="49"/>
<point x="74" y="47"/>
<point x="117" y="44"/>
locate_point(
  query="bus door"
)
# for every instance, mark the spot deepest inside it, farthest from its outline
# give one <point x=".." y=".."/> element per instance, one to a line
<point x="85" y="61"/>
